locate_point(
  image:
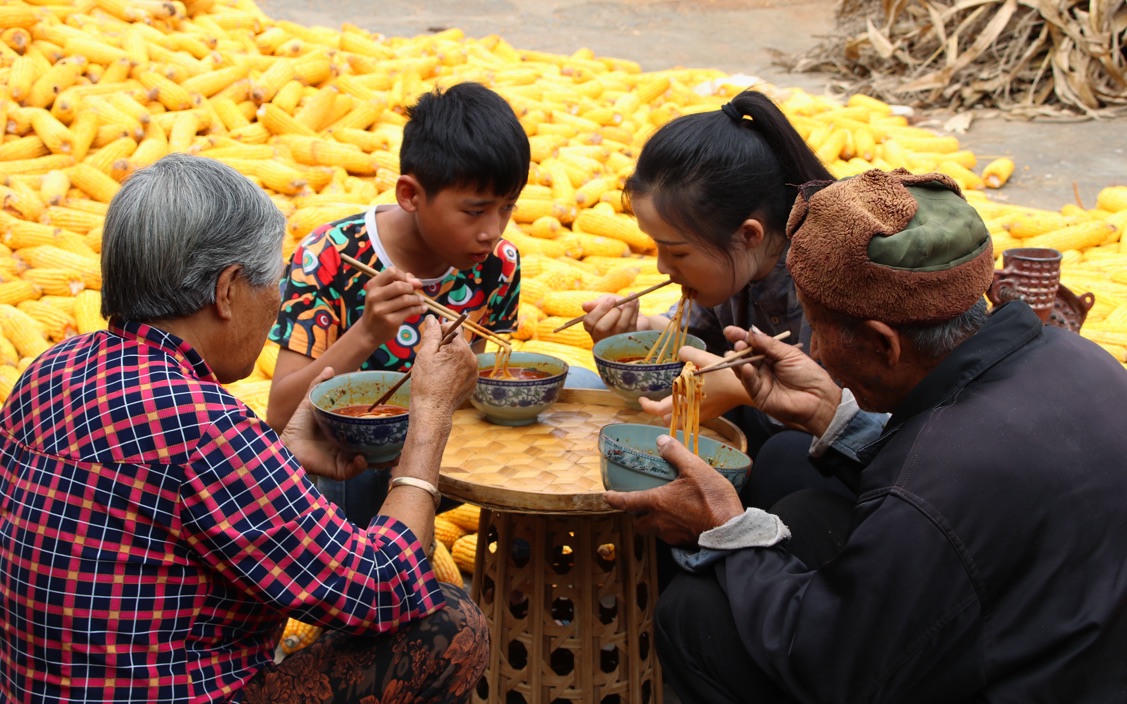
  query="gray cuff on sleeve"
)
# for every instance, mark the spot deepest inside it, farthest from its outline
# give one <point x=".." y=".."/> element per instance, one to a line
<point x="846" y="409"/>
<point x="754" y="528"/>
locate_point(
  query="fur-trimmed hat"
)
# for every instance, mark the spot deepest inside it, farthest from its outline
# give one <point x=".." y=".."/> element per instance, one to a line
<point x="889" y="246"/>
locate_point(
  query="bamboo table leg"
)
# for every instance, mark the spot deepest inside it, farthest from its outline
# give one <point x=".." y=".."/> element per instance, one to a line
<point x="570" y="602"/>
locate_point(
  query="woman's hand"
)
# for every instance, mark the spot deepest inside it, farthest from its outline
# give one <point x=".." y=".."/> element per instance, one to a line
<point x="316" y="452"/>
<point x="443" y="377"/>
<point x="604" y="319"/>
<point x="788" y="385"/>
<point x="389" y="299"/>
<point x="699" y="499"/>
<point x="723" y="390"/>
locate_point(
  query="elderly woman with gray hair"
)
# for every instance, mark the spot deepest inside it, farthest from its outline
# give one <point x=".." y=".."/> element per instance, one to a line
<point x="155" y="534"/>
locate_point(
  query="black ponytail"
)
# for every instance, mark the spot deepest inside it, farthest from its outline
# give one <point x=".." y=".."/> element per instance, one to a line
<point x="708" y="172"/>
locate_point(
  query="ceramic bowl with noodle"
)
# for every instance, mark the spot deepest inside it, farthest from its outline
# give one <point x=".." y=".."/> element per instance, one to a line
<point x="629" y="459"/>
<point x="531" y="386"/>
<point x="340" y="405"/>
<point x="619" y="361"/>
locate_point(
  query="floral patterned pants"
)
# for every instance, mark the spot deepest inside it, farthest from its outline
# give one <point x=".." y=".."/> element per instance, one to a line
<point x="437" y="659"/>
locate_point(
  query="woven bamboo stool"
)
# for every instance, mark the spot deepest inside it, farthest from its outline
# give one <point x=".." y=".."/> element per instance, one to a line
<point x="566" y="585"/>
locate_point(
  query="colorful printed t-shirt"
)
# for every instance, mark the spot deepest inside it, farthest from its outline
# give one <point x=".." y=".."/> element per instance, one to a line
<point x="155" y="534"/>
<point x="322" y="297"/>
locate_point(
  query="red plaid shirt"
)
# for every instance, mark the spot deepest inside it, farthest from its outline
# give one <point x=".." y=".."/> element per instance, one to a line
<point x="154" y="533"/>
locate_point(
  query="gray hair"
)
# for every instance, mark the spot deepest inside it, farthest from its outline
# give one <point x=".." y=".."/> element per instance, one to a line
<point x="940" y="340"/>
<point x="174" y="227"/>
<point x="931" y="340"/>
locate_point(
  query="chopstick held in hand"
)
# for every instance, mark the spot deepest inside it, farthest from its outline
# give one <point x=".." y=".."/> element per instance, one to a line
<point x="448" y="333"/>
<point x="631" y="297"/>
<point x="726" y="362"/>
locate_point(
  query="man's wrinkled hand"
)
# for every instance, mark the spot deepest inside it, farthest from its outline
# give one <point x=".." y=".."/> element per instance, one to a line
<point x="699" y="499"/>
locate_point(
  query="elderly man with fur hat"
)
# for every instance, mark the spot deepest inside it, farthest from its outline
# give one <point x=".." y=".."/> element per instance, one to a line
<point x="985" y="558"/>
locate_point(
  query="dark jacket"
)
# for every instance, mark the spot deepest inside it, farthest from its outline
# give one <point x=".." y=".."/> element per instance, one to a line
<point x="988" y="555"/>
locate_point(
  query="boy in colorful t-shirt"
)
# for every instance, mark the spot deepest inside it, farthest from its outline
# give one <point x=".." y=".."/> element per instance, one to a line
<point x="464" y="161"/>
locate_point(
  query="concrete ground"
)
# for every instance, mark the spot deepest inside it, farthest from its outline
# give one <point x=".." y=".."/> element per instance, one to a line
<point x="1056" y="162"/>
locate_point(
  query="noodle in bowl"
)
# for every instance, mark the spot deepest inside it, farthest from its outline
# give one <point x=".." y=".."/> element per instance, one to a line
<point x="517" y="399"/>
<point x="616" y="359"/>
<point x="378" y="436"/>
<point x="630" y="461"/>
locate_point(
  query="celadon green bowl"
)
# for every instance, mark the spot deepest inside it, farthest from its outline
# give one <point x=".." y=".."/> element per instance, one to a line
<point x="630" y="461"/>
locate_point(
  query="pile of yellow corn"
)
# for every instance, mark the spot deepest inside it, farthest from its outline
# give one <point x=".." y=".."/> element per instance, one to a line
<point x="91" y="90"/>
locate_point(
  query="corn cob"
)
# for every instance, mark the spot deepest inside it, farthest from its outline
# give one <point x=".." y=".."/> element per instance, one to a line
<point x="1112" y="199"/>
<point x="57" y="324"/>
<point x="1080" y="236"/>
<point x="620" y="227"/>
<point x="464" y="552"/>
<point x="55" y="282"/>
<point x="18" y="291"/>
<point x="54" y="134"/>
<point x="446" y="532"/>
<point x="88" y="311"/>
<point x="996" y="173"/>
<point x="71" y="219"/>
<point x="29" y="147"/>
<point x="298" y="635"/>
<point x="465" y="516"/>
<point x="8" y="377"/>
<point x="24" y="332"/>
<point x="94" y="182"/>
<point x="54" y="186"/>
<point x="574" y="336"/>
<point x="8" y="354"/>
<point x="59" y="77"/>
<point x="445" y="569"/>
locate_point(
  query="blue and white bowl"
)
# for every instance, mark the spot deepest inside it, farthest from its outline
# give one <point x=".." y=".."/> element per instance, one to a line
<point x="515" y="401"/>
<point x="633" y="380"/>
<point x="630" y="461"/>
<point x="380" y="440"/>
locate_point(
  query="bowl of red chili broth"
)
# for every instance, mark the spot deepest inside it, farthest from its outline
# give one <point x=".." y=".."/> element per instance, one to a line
<point x="531" y="386"/>
<point x="619" y="360"/>
<point x="341" y="403"/>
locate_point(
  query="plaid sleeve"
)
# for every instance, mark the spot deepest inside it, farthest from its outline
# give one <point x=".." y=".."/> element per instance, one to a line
<point x="505" y="300"/>
<point x="253" y="516"/>
<point x="312" y="312"/>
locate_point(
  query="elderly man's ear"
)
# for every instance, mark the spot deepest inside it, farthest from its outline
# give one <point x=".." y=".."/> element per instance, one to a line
<point x="883" y="342"/>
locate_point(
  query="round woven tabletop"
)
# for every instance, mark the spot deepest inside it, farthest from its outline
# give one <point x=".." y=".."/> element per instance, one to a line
<point x="551" y="466"/>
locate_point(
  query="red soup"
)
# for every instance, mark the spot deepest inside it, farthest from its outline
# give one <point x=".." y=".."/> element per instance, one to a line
<point x="362" y="411"/>
<point x="523" y="374"/>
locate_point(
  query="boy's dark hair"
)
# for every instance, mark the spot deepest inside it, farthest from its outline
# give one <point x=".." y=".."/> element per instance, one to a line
<point x="466" y="135"/>
<point x="708" y="172"/>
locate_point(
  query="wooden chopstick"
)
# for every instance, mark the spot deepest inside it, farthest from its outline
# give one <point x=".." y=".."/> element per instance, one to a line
<point x="448" y="334"/>
<point x="737" y="362"/>
<point x="723" y="363"/>
<point x="433" y="305"/>
<point x="631" y="297"/>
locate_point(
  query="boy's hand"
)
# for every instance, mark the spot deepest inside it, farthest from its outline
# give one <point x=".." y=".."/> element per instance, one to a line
<point x="604" y="319"/>
<point x="389" y="299"/>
